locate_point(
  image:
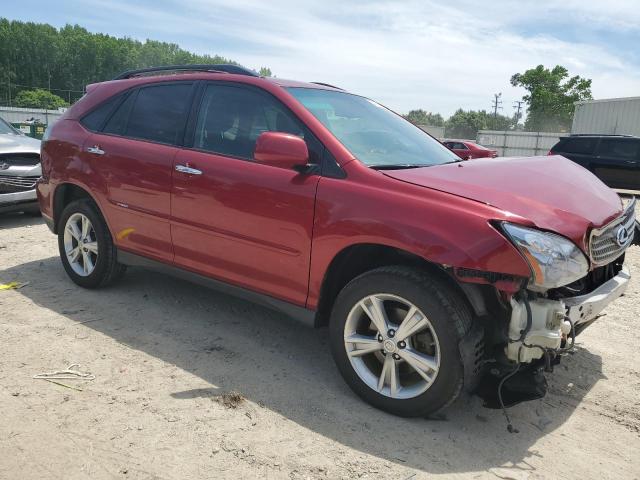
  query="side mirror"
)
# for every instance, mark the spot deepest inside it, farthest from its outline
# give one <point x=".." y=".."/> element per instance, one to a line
<point x="283" y="150"/>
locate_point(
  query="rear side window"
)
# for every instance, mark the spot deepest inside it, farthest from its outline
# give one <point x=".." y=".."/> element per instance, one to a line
<point x="584" y="146"/>
<point x="627" y="149"/>
<point x="96" y="119"/>
<point x="159" y="113"/>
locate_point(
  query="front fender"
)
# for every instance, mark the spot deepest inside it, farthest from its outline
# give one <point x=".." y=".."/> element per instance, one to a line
<point x="441" y="228"/>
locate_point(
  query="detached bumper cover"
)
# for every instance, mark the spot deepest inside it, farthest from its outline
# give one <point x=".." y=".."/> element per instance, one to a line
<point x="585" y="308"/>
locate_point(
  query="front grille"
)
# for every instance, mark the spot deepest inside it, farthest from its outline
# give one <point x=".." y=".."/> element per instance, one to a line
<point x="20" y="159"/>
<point x="12" y="184"/>
<point x="609" y="242"/>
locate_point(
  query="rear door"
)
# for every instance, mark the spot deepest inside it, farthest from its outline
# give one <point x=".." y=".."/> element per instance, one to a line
<point x="133" y="152"/>
<point x="617" y="162"/>
<point x="234" y="219"/>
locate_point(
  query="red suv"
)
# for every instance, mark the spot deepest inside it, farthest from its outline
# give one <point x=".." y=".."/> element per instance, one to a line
<point x="333" y="209"/>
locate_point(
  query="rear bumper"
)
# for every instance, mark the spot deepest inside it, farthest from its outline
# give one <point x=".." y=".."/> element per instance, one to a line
<point x="18" y="201"/>
<point x="584" y="309"/>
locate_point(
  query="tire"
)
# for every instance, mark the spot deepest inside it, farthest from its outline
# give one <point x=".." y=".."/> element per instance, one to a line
<point x="449" y="319"/>
<point x="103" y="256"/>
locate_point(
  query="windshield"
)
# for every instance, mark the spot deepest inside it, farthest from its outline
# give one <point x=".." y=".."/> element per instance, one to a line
<point x="373" y="134"/>
<point x="6" y="128"/>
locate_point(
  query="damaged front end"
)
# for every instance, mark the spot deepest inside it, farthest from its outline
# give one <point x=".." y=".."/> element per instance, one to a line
<point x="536" y="324"/>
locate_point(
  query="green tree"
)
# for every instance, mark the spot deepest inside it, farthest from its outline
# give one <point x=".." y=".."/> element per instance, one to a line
<point x="39" y="98"/>
<point x="265" y="72"/>
<point x="65" y="60"/>
<point x="465" y="124"/>
<point x="422" y="117"/>
<point x="551" y="98"/>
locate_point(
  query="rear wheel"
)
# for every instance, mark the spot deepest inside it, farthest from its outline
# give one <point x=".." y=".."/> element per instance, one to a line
<point x="86" y="247"/>
<point x="394" y="336"/>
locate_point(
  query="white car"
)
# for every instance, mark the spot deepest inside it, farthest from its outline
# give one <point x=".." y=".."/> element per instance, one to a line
<point x="19" y="170"/>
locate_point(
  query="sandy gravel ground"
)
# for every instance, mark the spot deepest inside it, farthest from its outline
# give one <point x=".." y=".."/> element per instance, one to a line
<point x="164" y="352"/>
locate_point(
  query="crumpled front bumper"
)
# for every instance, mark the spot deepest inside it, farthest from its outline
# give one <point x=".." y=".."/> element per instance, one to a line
<point x="586" y="308"/>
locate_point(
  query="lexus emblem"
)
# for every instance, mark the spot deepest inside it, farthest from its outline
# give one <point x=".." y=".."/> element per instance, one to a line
<point x="622" y="236"/>
<point x="4" y="166"/>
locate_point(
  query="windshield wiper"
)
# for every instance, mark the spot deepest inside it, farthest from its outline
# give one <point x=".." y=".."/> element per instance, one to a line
<point x="399" y="166"/>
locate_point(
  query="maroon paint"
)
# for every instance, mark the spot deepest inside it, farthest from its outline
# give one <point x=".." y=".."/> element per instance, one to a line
<point x="282" y="150"/>
<point x="244" y="223"/>
<point x="276" y="231"/>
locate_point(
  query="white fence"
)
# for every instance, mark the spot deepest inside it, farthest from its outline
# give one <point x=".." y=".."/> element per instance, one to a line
<point x="20" y="115"/>
<point x="437" y="132"/>
<point x="518" y="144"/>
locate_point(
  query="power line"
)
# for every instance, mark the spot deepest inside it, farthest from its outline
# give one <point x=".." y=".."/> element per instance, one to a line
<point x="68" y="91"/>
<point x="47" y="88"/>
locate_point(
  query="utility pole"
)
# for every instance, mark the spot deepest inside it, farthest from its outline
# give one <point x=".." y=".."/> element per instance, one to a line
<point x="497" y="104"/>
<point x="518" y="106"/>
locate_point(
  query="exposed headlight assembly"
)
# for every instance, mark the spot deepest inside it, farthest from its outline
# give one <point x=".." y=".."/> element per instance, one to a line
<point x="554" y="260"/>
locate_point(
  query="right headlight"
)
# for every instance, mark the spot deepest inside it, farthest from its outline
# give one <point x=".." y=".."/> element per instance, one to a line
<point x="554" y="260"/>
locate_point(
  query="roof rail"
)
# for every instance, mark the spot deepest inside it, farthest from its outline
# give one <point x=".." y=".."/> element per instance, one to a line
<point x="225" y="68"/>
<point x="328" y="85"/>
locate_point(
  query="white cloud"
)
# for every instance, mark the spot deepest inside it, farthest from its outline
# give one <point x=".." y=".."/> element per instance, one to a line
<point x="412" y="54"/>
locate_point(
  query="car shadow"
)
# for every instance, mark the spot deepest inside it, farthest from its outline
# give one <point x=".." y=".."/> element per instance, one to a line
<point x="287" y="368"/>
<point x="17" y="220"/>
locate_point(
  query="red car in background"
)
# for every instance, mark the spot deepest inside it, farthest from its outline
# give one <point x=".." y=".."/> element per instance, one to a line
<point x="467" y="150"/>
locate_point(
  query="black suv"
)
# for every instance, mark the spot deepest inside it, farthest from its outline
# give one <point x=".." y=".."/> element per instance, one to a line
<point x="614" y="159"/>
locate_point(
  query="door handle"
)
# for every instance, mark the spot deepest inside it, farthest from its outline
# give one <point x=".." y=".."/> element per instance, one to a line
<point x="188" y="170"/>
<point x="96" y="150"/>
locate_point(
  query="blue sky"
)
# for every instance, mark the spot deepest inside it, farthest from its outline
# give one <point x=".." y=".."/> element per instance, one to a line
<point x="436" y="55"/>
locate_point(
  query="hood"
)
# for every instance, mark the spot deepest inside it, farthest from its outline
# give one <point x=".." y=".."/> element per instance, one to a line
<point x="18" y="144"/>
<point x="551" y="192"/>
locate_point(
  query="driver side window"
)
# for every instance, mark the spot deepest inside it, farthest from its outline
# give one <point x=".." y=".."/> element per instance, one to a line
<point x="231" y="119"/>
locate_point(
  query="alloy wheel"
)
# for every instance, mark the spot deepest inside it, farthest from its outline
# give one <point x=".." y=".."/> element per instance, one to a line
<point x="392" y="346"/>
<point x="80" y="244"/>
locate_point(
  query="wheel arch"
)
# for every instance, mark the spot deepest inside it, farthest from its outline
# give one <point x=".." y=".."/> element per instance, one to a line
<point x="66" y="193"/>
<point x="357" y="259"/>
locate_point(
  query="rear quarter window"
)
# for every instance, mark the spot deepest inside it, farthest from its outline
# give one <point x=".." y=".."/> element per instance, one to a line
<point x="96" y="119"/>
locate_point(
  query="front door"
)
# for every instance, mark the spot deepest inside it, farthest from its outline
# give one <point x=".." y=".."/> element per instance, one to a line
<point x="234" y="219"/>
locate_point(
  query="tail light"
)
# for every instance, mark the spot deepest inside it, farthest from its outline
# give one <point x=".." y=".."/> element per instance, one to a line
<point x="551" y="152"/>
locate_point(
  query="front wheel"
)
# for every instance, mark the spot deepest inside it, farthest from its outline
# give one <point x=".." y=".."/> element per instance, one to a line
<point x="395" y="334"/>
<point x="86" y="247"/>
